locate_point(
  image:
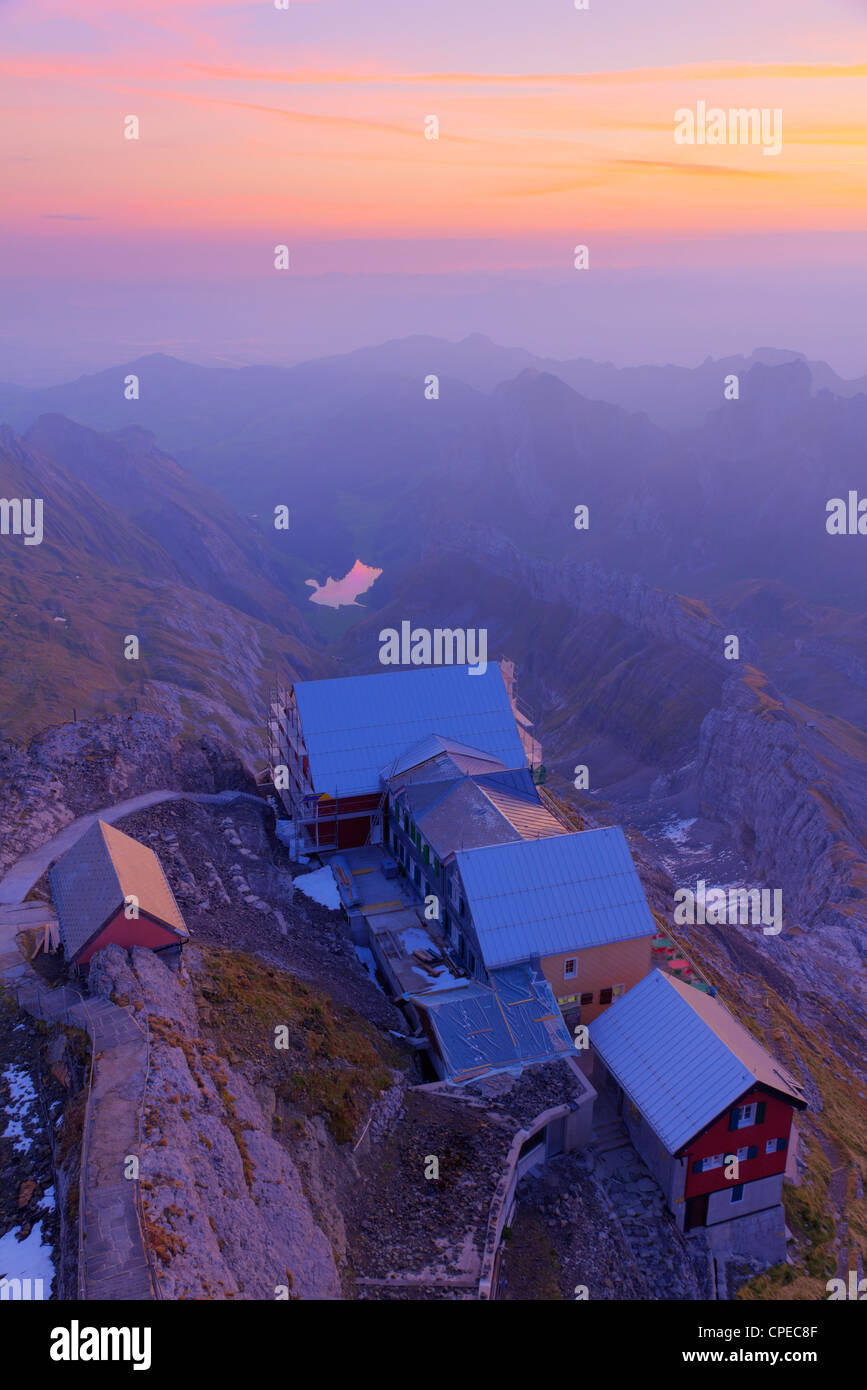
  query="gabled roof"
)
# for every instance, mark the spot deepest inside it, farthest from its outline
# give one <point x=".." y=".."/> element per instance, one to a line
<point x="506" y="1026"/>
<point x="547" y="896"/>
<point x="354" y="726"/>
<point x="95" y="877"/>
<point x="475" y="811"/>
<point x="682" y="1058"/>
<point x="439" y="757"/>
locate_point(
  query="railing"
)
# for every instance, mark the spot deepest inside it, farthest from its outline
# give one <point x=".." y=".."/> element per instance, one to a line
<point x="82" y="1162"/>
<point x="29" y="995"/>
<point x="139" y="1206"/>
<point x="561" y="810"/>
<point x="33" y="996"/>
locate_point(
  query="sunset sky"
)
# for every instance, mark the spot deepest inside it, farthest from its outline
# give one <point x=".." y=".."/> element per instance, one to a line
<point x="262" y="126"/>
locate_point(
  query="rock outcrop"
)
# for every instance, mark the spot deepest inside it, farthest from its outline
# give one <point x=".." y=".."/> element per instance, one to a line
<point x="225" y="1210"/>
<point x="73" y="769"/>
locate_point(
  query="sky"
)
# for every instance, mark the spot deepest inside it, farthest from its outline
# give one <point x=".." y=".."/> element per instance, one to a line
<point x="305" y="127"/>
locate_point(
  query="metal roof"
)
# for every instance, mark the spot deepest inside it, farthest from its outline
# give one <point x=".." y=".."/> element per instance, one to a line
<point x="475" y="811"/>
<point x="548" y="896"/>
<point x="448" y="756"/>
<point x="97" y="874"/>
<point x="355" y="726"/>
<point x="681" y="1057"/>
<point x="481" y="1030"/>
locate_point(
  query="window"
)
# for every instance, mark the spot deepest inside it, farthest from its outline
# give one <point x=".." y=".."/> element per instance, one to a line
<point x="745" y="1115"/>
<point x="775" y="1146"/>
<point x="713" y="1161"/>
<point x="570" y="968"/>
<point x="462" y="909"/>
<point x="605" y="996"/>
<point x="737" y="1194"/>
<point x="617" y="991"/>
<point x="426" y="854"/>
<point x="743" y="1154"/>
<point x="587" y="998"/>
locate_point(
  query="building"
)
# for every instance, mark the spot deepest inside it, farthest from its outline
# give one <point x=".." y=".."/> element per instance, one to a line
<point x="108" y="888"/>
<point x="571" y="903"/>
<point x="332" y="739"/>
<point x="443" y="797"/>
<point x="479" y="1030"/>
<point x="696" y="1090"/>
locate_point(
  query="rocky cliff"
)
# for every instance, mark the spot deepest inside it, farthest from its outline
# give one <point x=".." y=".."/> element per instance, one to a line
<point x="225" y="1210"/>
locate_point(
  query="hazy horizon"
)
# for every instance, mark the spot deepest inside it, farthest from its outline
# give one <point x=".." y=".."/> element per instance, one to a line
<point x="42" y="373"/>
<point x="307" y="128"/>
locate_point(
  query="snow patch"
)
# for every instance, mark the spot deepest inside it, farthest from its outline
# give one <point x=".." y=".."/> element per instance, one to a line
<point x="321" y="886"/>
<point x="27" y="1259"/>
<point x="23" y="1098"/>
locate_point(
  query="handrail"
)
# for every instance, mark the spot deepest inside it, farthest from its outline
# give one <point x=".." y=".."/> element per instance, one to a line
<point x="139" y="1206"/>
<point x="83" y="1158"/>
<point x="27" y="988"/>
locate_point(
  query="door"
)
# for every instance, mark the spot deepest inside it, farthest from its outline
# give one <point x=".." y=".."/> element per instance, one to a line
<point x="696" y="1212"/>
<point x="556" y="1136"/>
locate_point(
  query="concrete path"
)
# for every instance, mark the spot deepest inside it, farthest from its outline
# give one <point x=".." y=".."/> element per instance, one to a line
<point x="114" y="1262"/>
<point x="16" y="884"/>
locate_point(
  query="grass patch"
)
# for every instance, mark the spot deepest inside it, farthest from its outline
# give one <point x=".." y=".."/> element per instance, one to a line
<point x="333" y="1064"/>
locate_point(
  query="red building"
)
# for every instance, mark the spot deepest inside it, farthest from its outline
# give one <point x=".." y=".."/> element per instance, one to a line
<point x="109" y="888"/>
<point x="334" y="742"/>
<point x="707" y="1107"/>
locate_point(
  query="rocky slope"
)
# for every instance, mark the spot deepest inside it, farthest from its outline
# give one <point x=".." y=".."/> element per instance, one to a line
<point x="71" y="604"/>
<point x="69" y="771"/>
<point x="224" y="1205"/>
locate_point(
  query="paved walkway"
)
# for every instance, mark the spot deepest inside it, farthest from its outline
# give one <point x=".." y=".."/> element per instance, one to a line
<point x="28" y="870"/>
<point x="114" y="1263"/>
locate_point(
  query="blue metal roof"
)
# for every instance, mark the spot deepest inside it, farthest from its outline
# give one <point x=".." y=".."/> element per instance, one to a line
<point x="681" y="1057"/>
<point x="355" y="726"/>
<point x="463" y="758"/>
<point x="482" y="1030"/>
<point x="547" y="896"/>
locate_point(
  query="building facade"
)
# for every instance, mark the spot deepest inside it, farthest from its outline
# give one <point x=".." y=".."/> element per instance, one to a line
<point x="708" y="1108"/>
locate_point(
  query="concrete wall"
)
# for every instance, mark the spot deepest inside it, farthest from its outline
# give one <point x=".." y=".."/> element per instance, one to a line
<point x="765" y="1192"/>
<point x="758" y="1236"/>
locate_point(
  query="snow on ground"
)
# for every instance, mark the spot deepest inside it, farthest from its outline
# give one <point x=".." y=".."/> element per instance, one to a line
<point x="444" y="979"/>
<point x="320" y="885"/>
<point x="47" y="1201"/>
<point x="365" y="955"/>
<point x="286" y="833"/>
<point x="27" y="1259"/>
<point x="677" y="830"/>
<point x="415" y="939"/>
<point x="22" y="1111"/>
